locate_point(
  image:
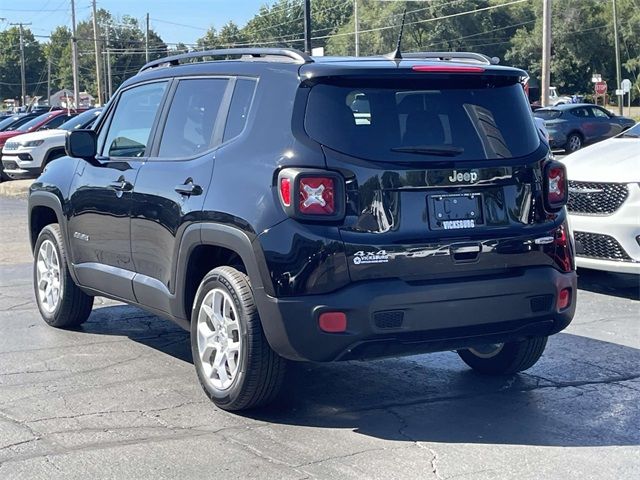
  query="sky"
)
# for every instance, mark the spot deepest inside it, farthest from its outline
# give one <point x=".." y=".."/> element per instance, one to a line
<point x="193" y="16"/>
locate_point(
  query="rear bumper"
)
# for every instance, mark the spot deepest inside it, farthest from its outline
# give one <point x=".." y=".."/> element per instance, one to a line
<point x="393" y="317"/>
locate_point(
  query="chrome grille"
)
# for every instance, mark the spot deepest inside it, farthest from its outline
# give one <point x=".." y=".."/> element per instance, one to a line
<point x="596" y="245"/>
<point x="596" y="198"/>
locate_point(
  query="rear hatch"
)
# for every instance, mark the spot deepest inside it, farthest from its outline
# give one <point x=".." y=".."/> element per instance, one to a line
<point x="442" y="169"/>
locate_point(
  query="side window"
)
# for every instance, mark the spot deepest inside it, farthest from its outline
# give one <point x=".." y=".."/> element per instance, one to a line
<point x="130" y="128"/>
<point x="239" y="109"/>
<point x="192" y="117"/>
<point x="599" y="113"/>
<point x="580" y="112"/>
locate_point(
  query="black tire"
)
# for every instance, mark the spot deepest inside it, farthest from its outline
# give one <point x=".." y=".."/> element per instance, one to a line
<point x="513" y="357"/>
<point x="74" y="306"/>
<point x="260" y="371"/>
<point x="574" y="143"/>
<point x="3" y="176"/>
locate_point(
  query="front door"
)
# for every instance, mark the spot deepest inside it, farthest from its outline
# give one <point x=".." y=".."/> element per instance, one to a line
<point x="99" y="220"/>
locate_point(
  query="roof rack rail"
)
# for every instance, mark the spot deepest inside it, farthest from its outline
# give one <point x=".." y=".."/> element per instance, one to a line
<point x="454" y="56"/>
<point x="290" y="53"/>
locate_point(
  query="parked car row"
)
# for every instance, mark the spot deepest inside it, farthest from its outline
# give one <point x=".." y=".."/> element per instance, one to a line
<point x="29" y="141"/>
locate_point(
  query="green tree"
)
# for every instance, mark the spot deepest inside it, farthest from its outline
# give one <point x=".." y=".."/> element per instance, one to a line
<point x="35" y="66"/>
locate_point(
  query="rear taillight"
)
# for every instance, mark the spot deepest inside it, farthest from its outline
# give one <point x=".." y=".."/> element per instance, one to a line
<point x="316" y="196"/>
<point x="312" y="194"/>
<point x="561" y="249"/>
<point x="555" y="186"/>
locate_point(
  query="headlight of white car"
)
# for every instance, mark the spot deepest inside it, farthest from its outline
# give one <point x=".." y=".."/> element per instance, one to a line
<point x="33" y="143"/>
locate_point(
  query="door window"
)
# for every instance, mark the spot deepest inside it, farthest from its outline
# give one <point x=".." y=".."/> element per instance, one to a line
<point x="599" y="113"/>
<point x="192" y="116"/>
<point x="581" y="112"/>
<point x="130" y="128"/>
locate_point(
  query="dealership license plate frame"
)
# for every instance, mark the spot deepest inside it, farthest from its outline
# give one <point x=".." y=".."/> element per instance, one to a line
<point x="455" y="211"/>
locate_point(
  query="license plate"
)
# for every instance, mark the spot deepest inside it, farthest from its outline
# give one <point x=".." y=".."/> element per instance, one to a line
<point x="455" y="211"/>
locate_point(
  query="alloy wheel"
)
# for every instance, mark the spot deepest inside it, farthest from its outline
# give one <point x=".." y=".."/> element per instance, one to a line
<point x="48" y="281"/>
<point x="219" y="339"/>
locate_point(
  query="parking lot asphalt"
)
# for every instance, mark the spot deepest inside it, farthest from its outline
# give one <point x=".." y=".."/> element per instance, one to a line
<point x="118" y="398"/>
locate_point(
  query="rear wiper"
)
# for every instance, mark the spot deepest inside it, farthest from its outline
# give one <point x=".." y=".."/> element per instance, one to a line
<point x="442" y="151"/>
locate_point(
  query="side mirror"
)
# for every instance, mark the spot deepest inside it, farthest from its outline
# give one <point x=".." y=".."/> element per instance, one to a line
<point x="81" y="144"/>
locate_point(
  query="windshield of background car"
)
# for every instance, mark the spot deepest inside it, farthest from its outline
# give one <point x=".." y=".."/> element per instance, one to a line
<point x="413" y="120"/>
<point x="8" y="121"/>
<point x="547" y="114"/>
<point x="32" y="123"/>
<point x="633" y="132"/>
<point x="84" y="120"/>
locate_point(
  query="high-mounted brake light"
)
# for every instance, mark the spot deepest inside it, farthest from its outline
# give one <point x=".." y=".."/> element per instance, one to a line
<point x="555" y="186"/>
<point x="446" y="69"/>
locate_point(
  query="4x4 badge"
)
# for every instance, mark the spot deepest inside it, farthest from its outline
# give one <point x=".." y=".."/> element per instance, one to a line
<point x="370" y="257"/>
<point x="457" y="176"/>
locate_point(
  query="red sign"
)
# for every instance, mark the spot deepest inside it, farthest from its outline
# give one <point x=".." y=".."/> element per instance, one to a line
<point x="601" y="88"/>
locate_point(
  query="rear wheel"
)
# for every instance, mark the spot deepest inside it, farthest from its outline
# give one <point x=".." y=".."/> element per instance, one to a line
<point x="574" y="143"/>
<point x="61" y="303"/>
<point x="235" y="365"/>
<point x="504" y="358"/>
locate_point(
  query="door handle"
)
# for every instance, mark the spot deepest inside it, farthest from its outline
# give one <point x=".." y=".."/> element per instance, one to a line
<point x="189" y="188"/>
<point x="121" y="185"/>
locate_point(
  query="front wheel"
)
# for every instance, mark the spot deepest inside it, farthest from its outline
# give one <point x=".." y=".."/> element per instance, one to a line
<point x="236" y="366"/>
<point x="61" y="303"/>
<point x="504" y="358"/>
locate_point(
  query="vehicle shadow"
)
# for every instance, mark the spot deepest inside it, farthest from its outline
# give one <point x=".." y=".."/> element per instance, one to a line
<point x="583" y="392"/>
<point x="623" y="285"/>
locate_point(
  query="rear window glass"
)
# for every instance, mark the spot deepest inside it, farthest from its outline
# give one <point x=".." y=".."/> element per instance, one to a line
<point x="547" y="114"/>
<point x="393" y="122"/>
<point x="239" y="109"/>
<point x="33" y="122"/>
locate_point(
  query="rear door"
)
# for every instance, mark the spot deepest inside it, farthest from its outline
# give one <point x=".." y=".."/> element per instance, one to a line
<point x="172" y="185"/>
<point x="100" y="204"/>
<point x="443" y="174"/>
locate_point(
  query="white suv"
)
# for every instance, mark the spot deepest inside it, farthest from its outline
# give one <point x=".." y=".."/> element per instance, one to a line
<point x="604" y="203"/>
<point x="25" y="156"/>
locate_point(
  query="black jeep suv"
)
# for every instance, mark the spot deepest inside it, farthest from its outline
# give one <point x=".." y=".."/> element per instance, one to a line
<point x="284" y="207"/>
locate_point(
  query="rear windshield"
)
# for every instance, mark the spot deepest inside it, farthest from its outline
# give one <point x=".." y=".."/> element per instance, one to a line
<point x="547" y="114"/>
<point x="406" y="122"/>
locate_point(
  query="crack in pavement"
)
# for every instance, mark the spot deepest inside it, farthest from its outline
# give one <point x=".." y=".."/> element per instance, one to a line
<point x="182" y="434"/>
<point x="401" y="431"/>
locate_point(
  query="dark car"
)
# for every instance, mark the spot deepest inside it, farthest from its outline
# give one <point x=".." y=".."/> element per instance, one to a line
<point x="572" y="126"/>
<point x="246" y="200"/>
<point x="14" y="121"/>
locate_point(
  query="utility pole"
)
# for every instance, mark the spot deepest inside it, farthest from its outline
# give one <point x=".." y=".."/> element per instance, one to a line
<point x="307" y="26"/>
<point x="74" y="57"/>
<point x="108" y="65"/>
<point x="617" y="47"/>
<point x="23" y="80"/>
<point x="146" y="40"/>
<point x="357" y="27"/>
<point x="49" y="81"/>
<point x="546" y="51"/>
<point x="96" y="35"/>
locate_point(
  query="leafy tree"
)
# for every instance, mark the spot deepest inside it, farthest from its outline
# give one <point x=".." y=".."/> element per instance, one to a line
<point x="35" y="66"/>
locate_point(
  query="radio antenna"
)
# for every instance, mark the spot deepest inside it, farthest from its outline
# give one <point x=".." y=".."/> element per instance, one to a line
<point x="397" y="54"/>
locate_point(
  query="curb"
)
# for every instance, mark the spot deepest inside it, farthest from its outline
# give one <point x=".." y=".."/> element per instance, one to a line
<point x="15" y="188"/>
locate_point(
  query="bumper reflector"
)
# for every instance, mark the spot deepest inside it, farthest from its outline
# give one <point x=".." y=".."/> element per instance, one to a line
<point x="332" y="322"/>
<point x="564" y="298"/>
